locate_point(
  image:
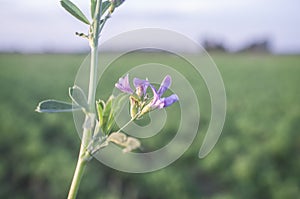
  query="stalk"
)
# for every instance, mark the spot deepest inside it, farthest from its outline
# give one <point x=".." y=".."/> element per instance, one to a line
<point x="84" y="156"/>
<point x="80" y="167"/>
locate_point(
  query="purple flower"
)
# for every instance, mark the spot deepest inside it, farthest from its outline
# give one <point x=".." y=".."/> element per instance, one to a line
<point x="139" y="100"/>
<point x="166" y="83"/>
<point x="141" y="86"/>
<point x="123" y="85"/>
<point x="168" y="101"/>
<point x="158" y="102"/>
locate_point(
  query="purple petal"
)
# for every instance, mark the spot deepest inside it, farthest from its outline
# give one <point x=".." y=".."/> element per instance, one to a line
<point x="141" y="86"/>
<point x="156" y="99"/>
<point x="138" y="82"/>
<point x="155" y="94"/>
<point x="170" y="100"/>
<point x="166" y="83"/>
<point x="159" y="103"/>
<point x="123" y="85"/>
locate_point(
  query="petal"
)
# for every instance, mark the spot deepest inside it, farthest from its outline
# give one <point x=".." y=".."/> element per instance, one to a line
<point x="166" y="83"/>
<point x="155" y="94"/>
<point x="159" y="104"/>
<point x="170" y="100"/>
<point x="155" y="97"/>
<point x="141" y="86"/>
<point x="123" y="85"/>
<point x="139" y="82"/>
<point x="156" y="102"/>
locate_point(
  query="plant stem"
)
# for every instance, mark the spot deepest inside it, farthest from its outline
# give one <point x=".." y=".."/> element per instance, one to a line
<point x="93" y="78"/>
<point x="94" y="37"/>
<point x="125" y="125"/>
<point x="89" y="123"/>
<point x="80" y="167"/>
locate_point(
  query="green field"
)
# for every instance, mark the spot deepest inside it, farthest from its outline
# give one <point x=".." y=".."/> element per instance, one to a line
<point x="257" y="155"/>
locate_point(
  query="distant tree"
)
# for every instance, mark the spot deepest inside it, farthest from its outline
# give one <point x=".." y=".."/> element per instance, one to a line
<point x="258" y="46"/>
<point x="213" y="45"/>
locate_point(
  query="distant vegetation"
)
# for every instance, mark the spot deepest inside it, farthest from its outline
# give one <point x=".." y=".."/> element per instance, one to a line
<point x="257" y="155"/>
<point x="255" y="46"/>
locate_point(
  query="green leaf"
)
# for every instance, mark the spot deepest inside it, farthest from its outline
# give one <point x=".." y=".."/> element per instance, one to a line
<point x="108" y="119"/>
<point x="110" y="122"/>
<point x="78" y="97"/>
<point x="115" y="4"/>
<point x="111" y="118"/>
<point x="105" y="6"/>
<point x="55" y="106"/>
<point x="93" y="7"/>
<point x="118" y="3"/>
<point x="74" y="10"/>
<point x="106" y="112"/>
<point x="100" y="104"/>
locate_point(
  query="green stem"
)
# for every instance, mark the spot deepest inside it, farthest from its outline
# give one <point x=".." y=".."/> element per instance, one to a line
<point x="80" y="167"/>
<point x="94" y="37"/>
<point x="93" y="78"/>
<point x="104" y="144"/>
<point x="87" y="134"/>
<point x="105" y="19"/>
<point x="125" y="125"/>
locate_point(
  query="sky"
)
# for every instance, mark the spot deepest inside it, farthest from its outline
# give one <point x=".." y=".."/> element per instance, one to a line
<point x="42" y="26"/>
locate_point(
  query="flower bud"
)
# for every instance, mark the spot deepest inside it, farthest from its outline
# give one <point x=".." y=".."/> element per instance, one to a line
<point x="134" y="106"/>
<point x="146" y="109"/>
<point x="139" y="91"/>
<point x="112" y="6"/>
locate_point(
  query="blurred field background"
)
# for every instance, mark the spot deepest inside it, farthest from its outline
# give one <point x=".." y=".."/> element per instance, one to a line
<point x="257" y="155"/>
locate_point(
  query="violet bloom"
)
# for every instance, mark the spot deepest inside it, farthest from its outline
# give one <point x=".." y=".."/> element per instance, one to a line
<point x="140" y="86"/>
<point x="158" y="102"/>
<point x="123" y="85"/>
<point x="138" y="99"/>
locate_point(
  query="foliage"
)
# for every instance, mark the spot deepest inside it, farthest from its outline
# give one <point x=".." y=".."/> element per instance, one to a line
<point x="75" y="11"/>
<point x="256" y="157"/>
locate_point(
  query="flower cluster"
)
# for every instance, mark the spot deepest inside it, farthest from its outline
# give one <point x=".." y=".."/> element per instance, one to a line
<point x="140" y="103"/>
